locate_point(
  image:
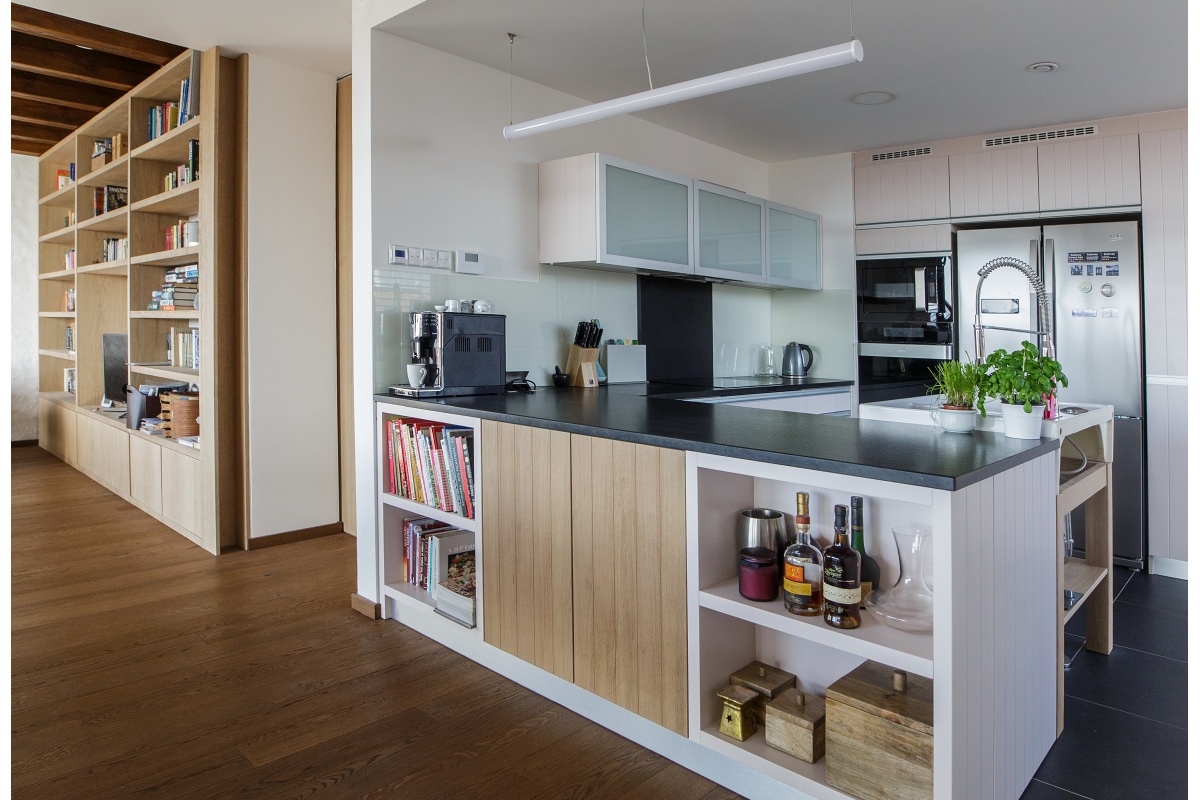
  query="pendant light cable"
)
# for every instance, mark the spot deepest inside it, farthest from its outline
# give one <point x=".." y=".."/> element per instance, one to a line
<point x="511" y="38"/>
<point x="645" y="49"/>
<point x="852" y="20"/>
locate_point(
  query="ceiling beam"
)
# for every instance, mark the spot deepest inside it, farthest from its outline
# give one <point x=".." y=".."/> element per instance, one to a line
<point x="69" y="31"/>
<point x="59" y="60"/>
<point x="46" y="114"/>
<point x="62" y="92"/>
<point x="38" y="132"/>
<point x="24" y="147"/>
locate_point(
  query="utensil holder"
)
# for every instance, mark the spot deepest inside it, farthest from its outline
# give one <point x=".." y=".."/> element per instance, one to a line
<point x="581" y="366"/>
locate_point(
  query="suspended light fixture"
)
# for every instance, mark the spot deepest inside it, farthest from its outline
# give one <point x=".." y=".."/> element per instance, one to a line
<point x="812" y="61"/>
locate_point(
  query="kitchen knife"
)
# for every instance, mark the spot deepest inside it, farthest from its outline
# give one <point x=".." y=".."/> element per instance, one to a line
<point x="579" y="333"/>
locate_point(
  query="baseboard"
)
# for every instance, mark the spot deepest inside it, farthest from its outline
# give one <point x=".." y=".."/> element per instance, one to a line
<point x="25" y="443"/>
<point x="287" y="537"/>
<point x="365" y="607"/>
<point x="1168" y="567"/>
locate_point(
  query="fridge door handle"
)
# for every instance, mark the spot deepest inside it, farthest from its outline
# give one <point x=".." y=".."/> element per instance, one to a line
<point x="1048" y="281"/>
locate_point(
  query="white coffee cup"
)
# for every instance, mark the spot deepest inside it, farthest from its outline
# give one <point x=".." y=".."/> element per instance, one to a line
<point x="452" y="305"/>
<point x="483" y="307"/>
<point x="466" y="306"/>
<point x="417" y="374"/>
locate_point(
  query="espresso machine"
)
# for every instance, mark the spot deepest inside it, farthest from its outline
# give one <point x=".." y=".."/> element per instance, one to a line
<point x="462" y="354"/>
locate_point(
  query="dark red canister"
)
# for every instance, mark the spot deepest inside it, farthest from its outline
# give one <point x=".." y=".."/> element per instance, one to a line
<point x="758" y="574"/>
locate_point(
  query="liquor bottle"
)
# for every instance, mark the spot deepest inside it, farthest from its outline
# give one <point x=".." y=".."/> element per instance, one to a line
<point x="802" y="567"/>
<point x="841" y="589"/>
<point x="868" y="568"/>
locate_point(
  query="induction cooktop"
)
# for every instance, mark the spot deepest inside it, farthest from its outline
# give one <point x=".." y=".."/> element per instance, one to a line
<point x="744" y="381"/>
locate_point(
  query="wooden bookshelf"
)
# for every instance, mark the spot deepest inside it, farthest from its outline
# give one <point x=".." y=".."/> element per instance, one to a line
<point x="196" y="491"/>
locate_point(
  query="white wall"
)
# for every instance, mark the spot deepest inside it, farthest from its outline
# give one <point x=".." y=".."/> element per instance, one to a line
<point x="23" y="324"/>
<point x="443" y="177"/>
<point x="291" y="290"/>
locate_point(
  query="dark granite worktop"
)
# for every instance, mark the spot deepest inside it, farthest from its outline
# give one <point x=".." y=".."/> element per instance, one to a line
<point x="918" y="455"/>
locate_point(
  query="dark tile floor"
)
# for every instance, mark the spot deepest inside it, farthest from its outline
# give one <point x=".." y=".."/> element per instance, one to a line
<point x="1125" y="727"/>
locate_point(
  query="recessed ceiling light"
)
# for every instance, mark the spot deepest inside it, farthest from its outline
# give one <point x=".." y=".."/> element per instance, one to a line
<point x="872" y="98"/>
<point x="1043" y="66"/>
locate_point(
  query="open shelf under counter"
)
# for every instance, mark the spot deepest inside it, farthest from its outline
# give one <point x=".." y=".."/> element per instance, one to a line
<point x="1082" y="578"/>
<point x="420" y="601"/>
<point x="757" y="754"/>
<point x="66" y="355"/>
<point x="168" y="258"/>
<point x="114" y="172"/>
<point x="449" y="517"/>
<point x="171" y="146"/>
<point x="60" y="198"/>
<point x="57" y="314"/>
<point x="873" y="639"/>
<point x="118" y="267"/>
<point x="182" y="200"/>
<point x="67" y="275"/>
<point x="167" y="372"/>
<point x="190" y="313"/>
<point x="62" y="236"/>
<point x="115" y="221"/>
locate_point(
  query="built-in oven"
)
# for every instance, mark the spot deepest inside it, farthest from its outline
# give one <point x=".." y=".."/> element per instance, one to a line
<point x="905" y="324"/>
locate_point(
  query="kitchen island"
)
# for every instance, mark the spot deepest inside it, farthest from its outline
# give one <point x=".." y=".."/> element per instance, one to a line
<point x="607" y="574"/>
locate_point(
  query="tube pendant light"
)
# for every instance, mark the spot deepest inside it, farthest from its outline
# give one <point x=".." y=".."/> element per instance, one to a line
<point x="812" y="61"/>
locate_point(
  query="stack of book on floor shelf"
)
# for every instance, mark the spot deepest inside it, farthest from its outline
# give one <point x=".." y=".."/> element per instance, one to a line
<point x="431" y="464"/>
<point x="440" y="558"/>
<point x="180" y="290"/>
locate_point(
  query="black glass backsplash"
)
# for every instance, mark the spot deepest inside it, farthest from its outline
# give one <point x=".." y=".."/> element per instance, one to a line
<point x="675" y="323"/>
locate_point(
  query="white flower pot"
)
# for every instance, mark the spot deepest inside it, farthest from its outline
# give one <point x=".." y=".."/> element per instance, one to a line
<point x="1020" y="425"/>
<point x="955" y="420"/>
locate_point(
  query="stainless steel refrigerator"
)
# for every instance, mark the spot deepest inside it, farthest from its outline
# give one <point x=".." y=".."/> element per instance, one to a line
<point x="1092" y="273"/>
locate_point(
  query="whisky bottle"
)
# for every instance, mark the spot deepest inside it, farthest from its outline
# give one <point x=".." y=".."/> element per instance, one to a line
<point x="841" y="587"/>
<point x="868" y="568"/>
<point x="802" y="567"/>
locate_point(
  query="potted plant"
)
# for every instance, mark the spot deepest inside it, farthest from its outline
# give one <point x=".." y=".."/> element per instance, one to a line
<point x="1022" y="380"/>
<point x="958" y="383"/>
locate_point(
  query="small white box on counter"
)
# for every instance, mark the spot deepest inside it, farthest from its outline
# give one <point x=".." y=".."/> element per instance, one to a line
<point x="624" y="363"/>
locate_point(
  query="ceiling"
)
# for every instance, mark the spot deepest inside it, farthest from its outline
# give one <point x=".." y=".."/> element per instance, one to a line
<point x="65" y="71"/>
<point x="956" y="68"/>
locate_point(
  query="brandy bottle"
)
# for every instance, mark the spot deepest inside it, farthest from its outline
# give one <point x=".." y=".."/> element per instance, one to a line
<point x="802" y="567"/>
<point x="868" y="568"/>
<point x="841" y="586"/>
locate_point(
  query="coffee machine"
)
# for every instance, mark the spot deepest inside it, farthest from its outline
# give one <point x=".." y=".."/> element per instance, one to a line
<point x="462" y="354"/>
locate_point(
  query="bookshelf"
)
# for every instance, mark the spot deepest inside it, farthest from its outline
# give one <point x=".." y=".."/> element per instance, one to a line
<point x="194" y="490"/>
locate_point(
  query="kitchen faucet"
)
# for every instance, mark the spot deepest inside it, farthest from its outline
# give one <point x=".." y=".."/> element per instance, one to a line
<point x="1043" y="305"/>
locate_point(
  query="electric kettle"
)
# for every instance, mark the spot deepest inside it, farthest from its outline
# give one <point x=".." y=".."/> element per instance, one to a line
<point x="797" y="358"/>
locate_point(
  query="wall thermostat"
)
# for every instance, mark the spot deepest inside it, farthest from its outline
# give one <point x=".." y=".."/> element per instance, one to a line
<point x="397" y="254"/>
<point x="468" y="262"/>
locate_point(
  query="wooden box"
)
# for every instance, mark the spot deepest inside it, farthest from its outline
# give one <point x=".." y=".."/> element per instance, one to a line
<point x="796" y="725"/>
<point x="879" y="734"/>
<point x="767" y="681"/>
<point x="100" y="160"/>
<point x="736" y="720"/>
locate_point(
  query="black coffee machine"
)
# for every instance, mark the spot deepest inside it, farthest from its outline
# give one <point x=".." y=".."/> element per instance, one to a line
<point x="462" y="354"/>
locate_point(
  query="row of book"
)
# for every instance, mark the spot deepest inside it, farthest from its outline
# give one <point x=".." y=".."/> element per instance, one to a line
<point x="69" y="299"/>
<point x="69" y="259"/>
<point x="114" y="249"/>
<point x="440" y="558"/>
<point x="69" y="219"/>
<point x="69" y="380"/>
<point x="180" y="290"/>
<point x="69" y="337"/>
<point x="170" y="115"/>
<point x="64" y="177"/>
<point x="431" y="464"/>
<point x="183" y="348"/>
<point x="184" y="173"/>
<point x="186" y="233"/>
<point x="109" y="198"/>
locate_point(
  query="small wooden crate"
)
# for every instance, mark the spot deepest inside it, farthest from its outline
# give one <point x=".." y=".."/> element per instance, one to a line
<point x="767" y="681"/>
<point x="796" y="725"/>
<point x="879" y="734"/>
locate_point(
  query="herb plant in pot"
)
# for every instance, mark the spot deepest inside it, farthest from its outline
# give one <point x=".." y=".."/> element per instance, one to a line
<point x="958" y="383"/>
<point x="1022" y="380"/>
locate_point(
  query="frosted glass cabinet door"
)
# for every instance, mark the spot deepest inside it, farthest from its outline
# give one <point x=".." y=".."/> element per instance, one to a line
<point x="729" y="234"/>
<point x="793" y="247"/>
<point x="646" y="217"/>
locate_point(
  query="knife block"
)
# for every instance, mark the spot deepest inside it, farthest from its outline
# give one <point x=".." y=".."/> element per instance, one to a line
<point x="581" y="366"/>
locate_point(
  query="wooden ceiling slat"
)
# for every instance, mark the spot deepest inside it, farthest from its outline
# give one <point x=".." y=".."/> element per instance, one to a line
<point x="37" y="132"/>
<point x="24" y="147"/>
<point x="62" y="92"/>
<point x="36" y="22"/>
<point x="46" y="114"/>
<point x="59" y="60"/>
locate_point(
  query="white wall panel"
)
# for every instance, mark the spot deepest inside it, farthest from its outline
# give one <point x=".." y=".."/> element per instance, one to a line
<point x="1089" y="173"/>
<point x="23" y="188"/>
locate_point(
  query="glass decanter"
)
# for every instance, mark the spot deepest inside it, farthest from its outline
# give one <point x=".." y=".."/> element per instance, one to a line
<point x="908" y="605"/>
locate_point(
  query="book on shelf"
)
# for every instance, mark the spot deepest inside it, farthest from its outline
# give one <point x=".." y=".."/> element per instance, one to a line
<point x="114" y="249"/>
<point x="63" y="177"/>
<point x="69" y="380"/>
<point x="71" y="169"/>
<point x="69" y="300"/>
<point x="414" y="531"/>
<point x="69" y="337"/>
<point x="69" y="259"/>
<point x="154" y="426"/>
<point x="183" y="347"/>
<point x="186" y="233"/>
<point x="184" y="174"/>
<point x="109" y="198"/>
<point x="69" y="219"/>
<point x="454" y="595"/>
<point x="189" y="441"/>
<point x="430" y="463"/>
<point x="446" y="548"/>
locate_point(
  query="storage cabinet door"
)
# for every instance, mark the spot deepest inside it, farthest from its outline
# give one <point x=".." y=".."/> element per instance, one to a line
<point x="729" y="234"/>
<point x="50" y="428"/>
<point x="630" y="576"/>
<point x="115" y="459"/>
<point x="645" y="218"/>
<point x="901" y="191"/>
<point x="1001" y="181"/>
<point x="145" y="473"/>
<point x="181" y="490"/>
<point x="793" y="247"/>
<point x="86" y="446"/>
<point x="1089" y="173"/>
<point x="526" y="554"/>
<point x="903" y="240"/>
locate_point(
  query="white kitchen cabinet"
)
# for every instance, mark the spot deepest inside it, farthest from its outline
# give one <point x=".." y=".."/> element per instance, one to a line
<point x="730" y="227"/>
<point x="603" y="212"/>
<point x="835" y="401"/>
<point x="902" y="191"/>
<point x="903" y="240"/>
<point x="1089" y="173"/>
<point x="793" y="247"/>
<point x="1002" y="180"/>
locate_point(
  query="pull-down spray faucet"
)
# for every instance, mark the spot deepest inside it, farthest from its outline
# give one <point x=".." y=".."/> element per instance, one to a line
<point x="1043" y="331"/>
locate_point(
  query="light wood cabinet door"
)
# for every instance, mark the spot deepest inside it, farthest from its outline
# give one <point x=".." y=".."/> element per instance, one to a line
<point x="526" y="554"/>
<point x="1089" y="173"/>
<point x="145" y="473"/>
<point x="902" y="191"/>
<point x="903" y="240"/>
<point x="114" y="463"/>
<point x="86" y="446"/>
<point x="181" y="490"/>
<point x="630" y="576"/>
<point x="1000" y="181"/>
<point x="56" y="430"/>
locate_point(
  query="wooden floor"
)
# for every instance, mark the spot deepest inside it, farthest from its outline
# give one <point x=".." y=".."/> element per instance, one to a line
<point x="144" y="667"/>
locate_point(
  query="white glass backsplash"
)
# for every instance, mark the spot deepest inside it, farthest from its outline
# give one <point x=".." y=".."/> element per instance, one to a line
<point x="741" y="324"/>
<point x="540" y="317"/>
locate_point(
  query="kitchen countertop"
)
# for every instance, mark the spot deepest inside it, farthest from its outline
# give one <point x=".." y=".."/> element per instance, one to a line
<point x="911" y="454"/>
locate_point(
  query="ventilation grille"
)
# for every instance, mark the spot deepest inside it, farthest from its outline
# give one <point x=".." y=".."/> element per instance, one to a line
<point x="483" y="344"/>
<point x="915" y="151"/>
<point x="462" y="344"/>
<point x="1040" y="136"/>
